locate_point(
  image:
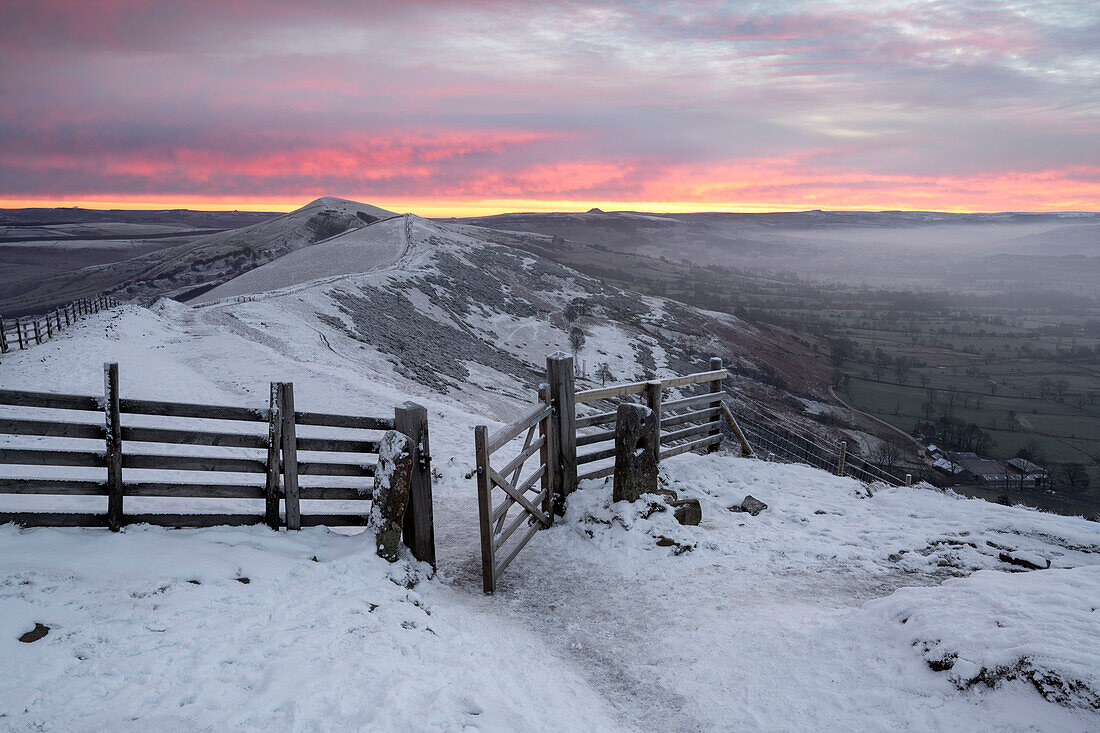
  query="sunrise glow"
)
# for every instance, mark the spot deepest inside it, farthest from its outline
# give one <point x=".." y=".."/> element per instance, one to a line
<point x="459" y="109"/>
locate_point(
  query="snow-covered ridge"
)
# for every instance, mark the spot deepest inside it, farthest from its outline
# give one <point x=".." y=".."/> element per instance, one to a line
<point x="447" y="310"/>
<point x="219" y="257"/>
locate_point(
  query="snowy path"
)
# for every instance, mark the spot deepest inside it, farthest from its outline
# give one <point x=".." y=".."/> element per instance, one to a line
<point x="761" y="626"/>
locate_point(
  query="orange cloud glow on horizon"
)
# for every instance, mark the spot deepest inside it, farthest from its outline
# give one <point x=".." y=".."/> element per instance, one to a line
<point x="781" y="190"/>
<point x="448" y="108"/>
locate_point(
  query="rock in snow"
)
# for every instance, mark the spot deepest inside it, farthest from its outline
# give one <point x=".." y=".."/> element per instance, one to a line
<point x="392" y="482"/>
<point x="38" y="632"/>
<point x="687" y="511"/>
<point x="749" y="504"/>
<point x="1030" y="560"/>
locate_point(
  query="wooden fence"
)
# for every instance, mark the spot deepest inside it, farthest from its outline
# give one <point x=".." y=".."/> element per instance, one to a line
<point x="334" y="466"/>
<point x="26" y="331"/>
<point x="687" y="423"/>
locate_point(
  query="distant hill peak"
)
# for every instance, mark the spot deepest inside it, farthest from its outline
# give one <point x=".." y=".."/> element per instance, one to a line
<point x="335" y="203"/>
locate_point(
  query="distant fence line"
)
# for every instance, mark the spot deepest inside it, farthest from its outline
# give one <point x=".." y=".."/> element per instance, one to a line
<point x="778" y="440"/>
<point x="26" y="331"/>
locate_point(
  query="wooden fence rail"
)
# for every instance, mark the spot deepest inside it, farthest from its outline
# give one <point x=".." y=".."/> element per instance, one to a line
<point x="272" y="450"/>
<point x="686" y="424"/>
<point x="26" y="331"/>
<point x="696" y="428"/>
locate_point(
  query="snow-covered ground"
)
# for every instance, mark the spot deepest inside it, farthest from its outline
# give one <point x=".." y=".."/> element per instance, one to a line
<point x="836" y="607"/>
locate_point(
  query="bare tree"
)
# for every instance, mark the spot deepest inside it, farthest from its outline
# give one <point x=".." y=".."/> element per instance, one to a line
<point x="901" y="368"/>
<point x="574" y="310"/>
<point x="576" y="340"/>
<point x="887" y="455"/>
<point x="1061" y="385"/>
<point x="1074" y="474"/>
<point x="603" y="373"/>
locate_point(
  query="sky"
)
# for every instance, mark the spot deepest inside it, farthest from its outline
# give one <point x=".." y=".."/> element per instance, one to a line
<point x="465" y="108"/>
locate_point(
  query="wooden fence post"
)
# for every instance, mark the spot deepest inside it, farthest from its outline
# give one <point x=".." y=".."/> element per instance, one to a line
<point x="411" y="419"/>
<point x="909" y="479"/>
<point x="37" y="333"/>
<point x="715" y="388"/>
<point x="559" y="375"/>
<point x="67" y="322"/>
<point x="290" y="457"/>
<point x="840" y="459"/>
<point x="274" y="440"/>
<point x="114" y="447"/>
<point x="485" y="508"/>
<point x="3" y="337"/>
<point x="49" y="328"/>
<point x="653" y="402"/>
<point x="637" y="448"/>
<point x="549" y="449"/>
<point x="19" y="332"/>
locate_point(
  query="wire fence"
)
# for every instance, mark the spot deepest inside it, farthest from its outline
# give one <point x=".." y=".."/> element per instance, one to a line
<point x="775" y="439"/>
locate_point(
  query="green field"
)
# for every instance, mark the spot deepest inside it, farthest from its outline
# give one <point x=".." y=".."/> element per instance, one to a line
<point x="1018" y="401"/>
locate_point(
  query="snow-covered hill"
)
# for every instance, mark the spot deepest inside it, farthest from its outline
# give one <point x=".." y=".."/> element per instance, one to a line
<point x="837" y="607"/>
<point x="439" y="311"/>
<point x="218" y="257"/>
<point x="832" y="608"/>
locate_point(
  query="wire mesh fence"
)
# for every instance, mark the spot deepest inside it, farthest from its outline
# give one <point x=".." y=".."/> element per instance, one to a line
<point x="773" y="439"/>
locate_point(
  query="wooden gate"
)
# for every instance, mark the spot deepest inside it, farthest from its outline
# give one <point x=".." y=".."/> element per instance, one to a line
<point x="687" y="423"/>
<point x="530" y="494"/>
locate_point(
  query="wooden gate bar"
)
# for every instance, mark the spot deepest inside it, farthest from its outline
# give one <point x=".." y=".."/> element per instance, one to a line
<point x="550" y="441"/>
<point x="716" y="390"/>
<point x="418" y="530"/>
<point x="485" y="507"/>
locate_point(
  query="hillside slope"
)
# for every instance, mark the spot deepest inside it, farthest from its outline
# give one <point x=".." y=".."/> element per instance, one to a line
<point x="834" y="608"/>
<point x="222" y="256"/>
<point x="447" y="309"/>
<point x="170" y="265"/>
